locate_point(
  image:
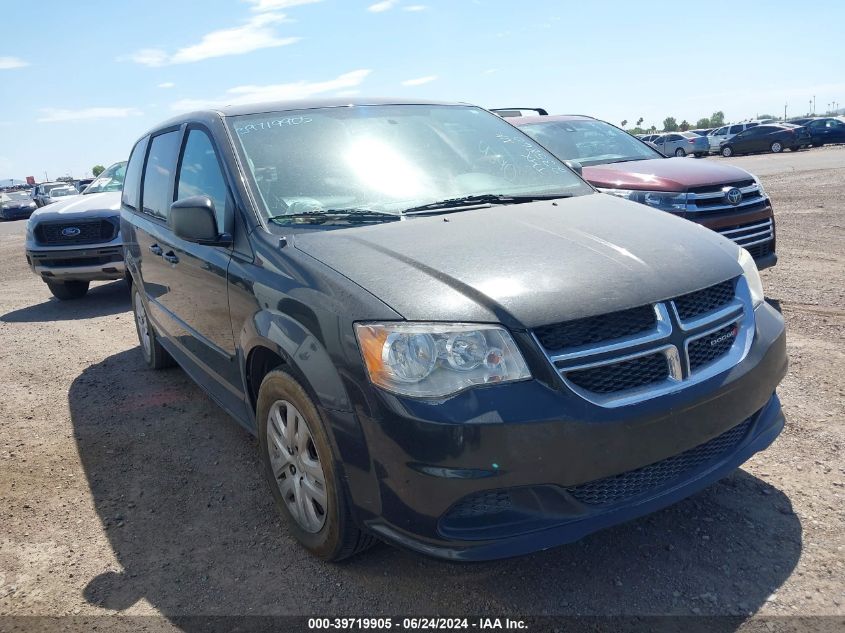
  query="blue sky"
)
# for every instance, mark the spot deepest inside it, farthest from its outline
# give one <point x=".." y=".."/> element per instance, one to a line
<point x="80" y="84"/>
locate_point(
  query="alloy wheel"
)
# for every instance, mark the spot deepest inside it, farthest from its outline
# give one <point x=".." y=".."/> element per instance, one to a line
<point x="297" y="468"/>
<point x="143" y="325"/>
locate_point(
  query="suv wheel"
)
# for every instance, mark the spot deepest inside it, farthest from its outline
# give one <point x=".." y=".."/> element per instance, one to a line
<point x="155" y="355"/>
<point x="776" y="147"/>
<point x="680" y="152"/>
<point x="727" y="151"/>
<point x="297" y="461"/>
<point x="68" y="289"/>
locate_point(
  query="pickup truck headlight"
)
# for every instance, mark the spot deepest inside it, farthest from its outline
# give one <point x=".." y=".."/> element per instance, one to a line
<point x="665" y="201"/>
<point x="752" y="276"/>
<point x="435" y="360"/>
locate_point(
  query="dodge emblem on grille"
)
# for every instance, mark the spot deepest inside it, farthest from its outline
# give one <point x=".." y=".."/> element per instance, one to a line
<point x="71" y="231"/>
<point x="734" y="195"/>
<point x="724" y="337"/>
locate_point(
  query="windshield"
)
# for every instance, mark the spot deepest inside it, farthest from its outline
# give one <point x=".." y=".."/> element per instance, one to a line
<point x="14" y="196"/>
<point x="110" y="180"/>
<point x="58" y="192"/>
<point x="391" y="158"/>
<point x="589" y="142"/>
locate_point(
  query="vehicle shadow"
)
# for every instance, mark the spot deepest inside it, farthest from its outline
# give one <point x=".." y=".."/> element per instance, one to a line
<point x="101" y="300"/>
<point x="176" y="486"/>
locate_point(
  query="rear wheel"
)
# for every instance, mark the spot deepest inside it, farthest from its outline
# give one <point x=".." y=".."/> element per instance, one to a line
<point x="297" y="461"/>
<point x="155" y="355"/>
<point x="680" y="152"/>
<point x="69" y="289"/>
<point x="727" y="151"/>
<point x="776" y="147"/>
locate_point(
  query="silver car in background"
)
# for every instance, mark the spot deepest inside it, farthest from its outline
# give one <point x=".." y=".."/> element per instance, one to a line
<point x="681" y="144"/>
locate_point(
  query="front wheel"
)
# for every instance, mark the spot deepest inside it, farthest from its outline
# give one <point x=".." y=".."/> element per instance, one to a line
<point x="297" y="460"/>
<point x="155" y="355"/>
<point x="680" y="153"/>
<point x="776" y="147"/>
<point x="69" y="289"/>
<point x="727" y="151"/>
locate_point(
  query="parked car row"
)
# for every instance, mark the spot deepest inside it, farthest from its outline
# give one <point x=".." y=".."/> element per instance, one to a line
<point x="739" y="138"/>
<point x="441" y="334"/>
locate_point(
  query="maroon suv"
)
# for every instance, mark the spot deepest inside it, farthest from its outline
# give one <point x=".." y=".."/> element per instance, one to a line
<point x="721" y="197"/>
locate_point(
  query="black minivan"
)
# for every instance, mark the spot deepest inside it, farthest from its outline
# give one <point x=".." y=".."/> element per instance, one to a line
<point x="442" y="336"/>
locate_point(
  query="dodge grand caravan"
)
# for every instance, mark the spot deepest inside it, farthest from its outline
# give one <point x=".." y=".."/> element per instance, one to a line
<point x="443" y="337"/>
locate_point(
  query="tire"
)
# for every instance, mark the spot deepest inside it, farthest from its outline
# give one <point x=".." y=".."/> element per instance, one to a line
<point x="700" y="154"/>
<point x="817" y="144"/>
<point x="154" y="354"/>
<point x="776" y="147"/>
<point x="796" y="148"/>
<point x="680" y="153"/>
<point x="727" y="151"/>
<point x="318" y="516"/>
<point x="68" y="290"/>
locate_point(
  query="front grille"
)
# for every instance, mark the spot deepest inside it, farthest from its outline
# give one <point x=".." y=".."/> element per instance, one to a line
<point x="627" y="485"/>
<point x="622" y="376"/>
<point x="755" y="233"/>
<point x="712" y="198"/>
<point x="597" y="329"/>
<point x="760" y="250"/>
<point x="695" y="304"/>
<point x="90" y="232"/>
<point x="632" y="355"/>
<point x="481" y="504"/>
<point x="710" y="347"/>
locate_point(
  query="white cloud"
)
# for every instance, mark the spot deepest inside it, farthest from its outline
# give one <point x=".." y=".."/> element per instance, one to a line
<point x="7" y="63"/>
<point x="415" y="7"/>
<point x="166" y="84"/>
<point x="275" y="92"/>
<point x="260" y="6"/>
<point x="490" y="71"/>
<point x="255" y="34"/>
<point x="384" y="5"/>
<point x="54" y="115"/>
<point x="419" y="81"/>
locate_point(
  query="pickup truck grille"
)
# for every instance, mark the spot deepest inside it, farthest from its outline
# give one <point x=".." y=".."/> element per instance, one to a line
<point x="89" y="232"/>
<point x="664" y="346"/>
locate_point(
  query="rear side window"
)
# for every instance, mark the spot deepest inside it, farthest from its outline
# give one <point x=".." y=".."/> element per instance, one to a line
<point x="161" y="162"/>
<point x="132" y="180"/>
<point x="200" y="174"/>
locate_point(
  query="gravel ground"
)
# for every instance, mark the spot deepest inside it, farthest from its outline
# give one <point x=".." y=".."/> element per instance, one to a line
<point x="128" y="491"/>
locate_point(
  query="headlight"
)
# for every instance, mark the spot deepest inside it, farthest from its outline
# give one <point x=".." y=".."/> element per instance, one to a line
<point x="752" y="276"/>
<point x="434" y="360"/>
<point x="760" y="186"/>
<point x="657" y="199"/>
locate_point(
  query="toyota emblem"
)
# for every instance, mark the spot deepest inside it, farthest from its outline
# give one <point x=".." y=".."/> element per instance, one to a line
<point x="734" y="195"/>
<point x="71" y="231"/>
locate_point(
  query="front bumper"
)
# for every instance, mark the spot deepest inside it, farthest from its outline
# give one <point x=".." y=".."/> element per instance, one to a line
<point x="16" y="213"/>
<point x="91" y="262"/>
<point x="525" y="449"/>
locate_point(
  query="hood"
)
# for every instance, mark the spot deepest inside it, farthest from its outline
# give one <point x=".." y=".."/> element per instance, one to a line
<point x="529" y="264"/>
<point x="663" y="174"/>
<point x="93" y="205"/>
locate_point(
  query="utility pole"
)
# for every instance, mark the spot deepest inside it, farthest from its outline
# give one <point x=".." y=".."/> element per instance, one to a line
<point x="45" y="176"/>
<point x="784" y="111"/>
<point x="814" y="104"/>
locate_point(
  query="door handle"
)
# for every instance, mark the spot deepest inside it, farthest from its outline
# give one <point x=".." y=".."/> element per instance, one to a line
<point x="171" y="258"/>
<point x="155" y="249"/>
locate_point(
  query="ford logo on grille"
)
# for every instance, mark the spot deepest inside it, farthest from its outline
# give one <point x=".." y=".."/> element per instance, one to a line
<point x="734" y="195"/>
<point x="71" y="231"/>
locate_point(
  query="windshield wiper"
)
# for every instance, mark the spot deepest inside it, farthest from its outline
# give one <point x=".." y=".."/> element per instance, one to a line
<point x="481" y="200"/>
<point x="330" y="216"/>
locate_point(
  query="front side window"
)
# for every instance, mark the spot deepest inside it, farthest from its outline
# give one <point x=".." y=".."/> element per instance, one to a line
<point x="161" y="161"/>
<point x="735" y="129"/>
<point x="132" y="181"/>
<point x="200" y="175"/>
<point x="391" y="158"/>
<point x="110" y="180"/>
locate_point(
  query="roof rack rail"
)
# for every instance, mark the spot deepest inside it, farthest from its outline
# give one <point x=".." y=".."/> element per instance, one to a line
<point x="510" y="112"/>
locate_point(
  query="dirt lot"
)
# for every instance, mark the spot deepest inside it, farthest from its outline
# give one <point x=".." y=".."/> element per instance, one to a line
<point x="127" y="490"/>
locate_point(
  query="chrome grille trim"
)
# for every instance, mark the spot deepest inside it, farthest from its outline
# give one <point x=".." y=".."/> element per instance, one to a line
<point x="664" y="340"/>
<point x="721" y="194"/>
<point x="760" y="232"/>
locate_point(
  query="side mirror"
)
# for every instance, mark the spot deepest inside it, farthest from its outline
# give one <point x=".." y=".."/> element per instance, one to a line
<point x="575" y="166"/>
<point x="193" y="219"/>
